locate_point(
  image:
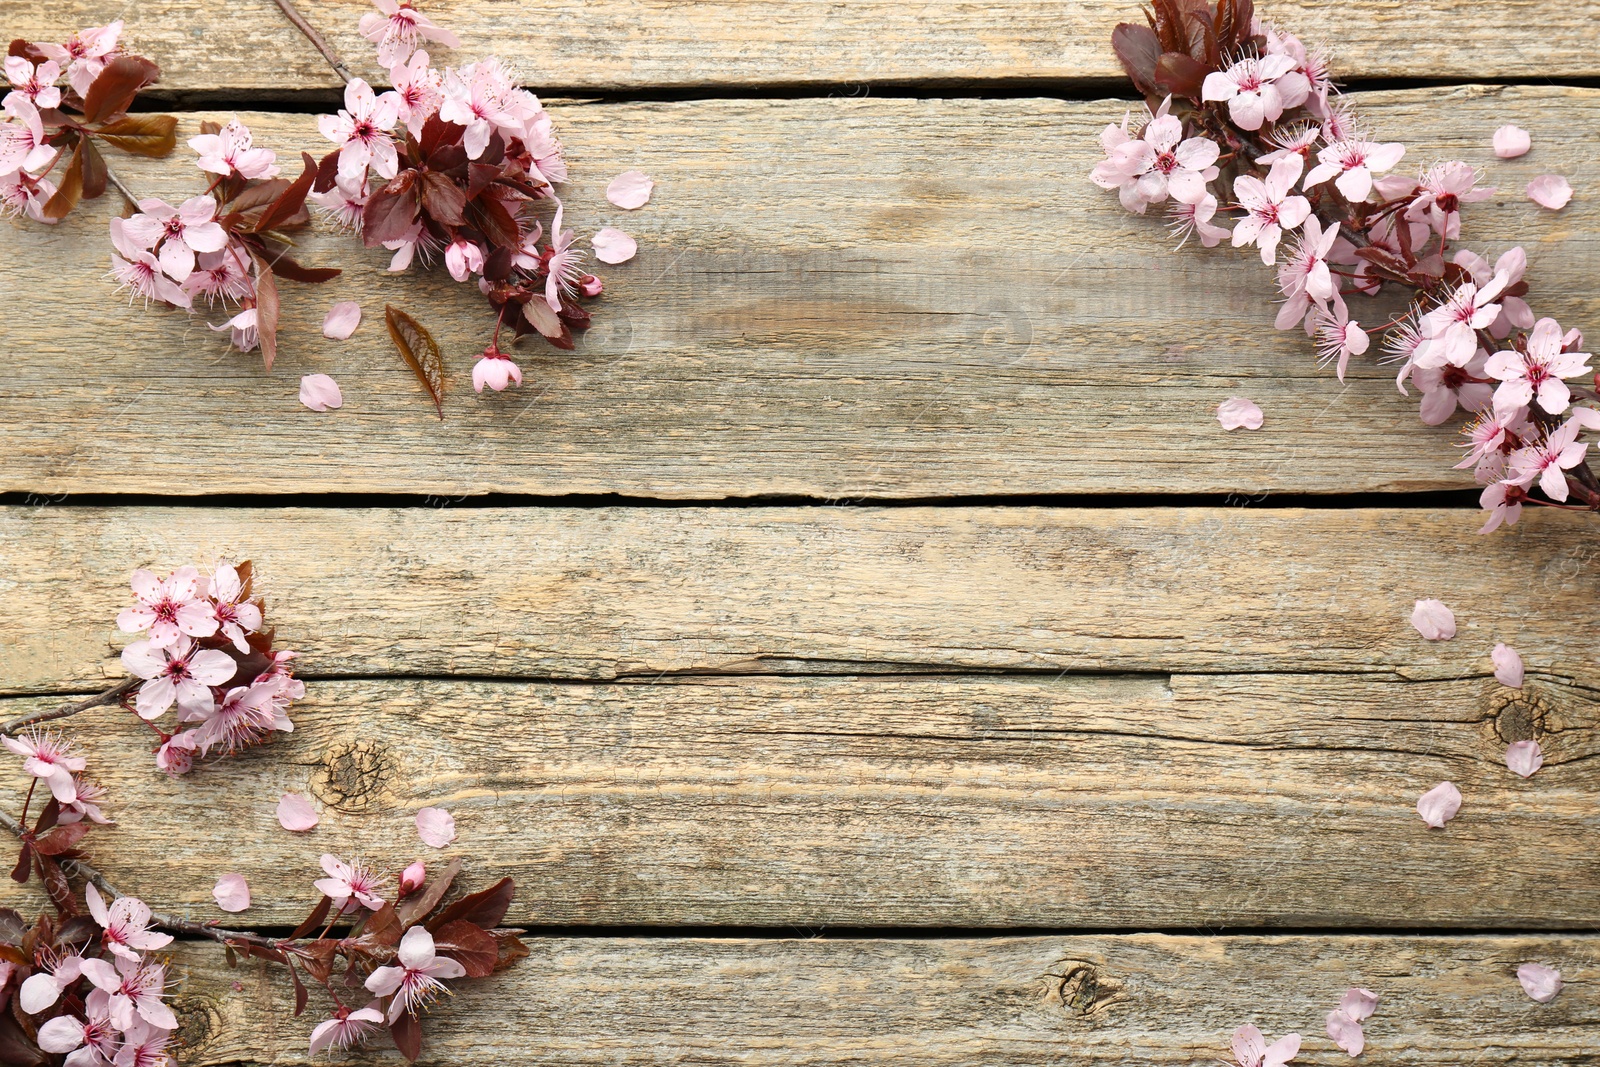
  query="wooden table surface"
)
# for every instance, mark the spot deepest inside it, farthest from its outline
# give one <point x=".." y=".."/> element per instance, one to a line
<point x="866" y="648"/>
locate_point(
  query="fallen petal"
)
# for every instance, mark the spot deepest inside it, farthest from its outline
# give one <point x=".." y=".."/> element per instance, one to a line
<point x="1511" y="142"/>
<point x="1439" y="805"/>
<point x="232" y="892"/>
<point x="1539" y="982"/>
<point x="1359" y="1003"/>
<point x="436" y="827"/>
<point x="1550" y="191"/>
<point x="1237" y="413"/>
<point x="1507" y="666"/>
<point x="630" y="190"/>
<point x="1346" y="1033"/>
<point x="1524" y="757"/>
<point x="320" y="392"/>
<point x="1433" y="620"/>
<point x="342" y="320"/>
<point x="613" y="246"/>
<point x="296" y="813"/>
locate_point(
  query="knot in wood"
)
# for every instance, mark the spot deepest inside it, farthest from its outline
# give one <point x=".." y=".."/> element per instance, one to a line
<point x="198" y="1020"/>
<point x="354" y="776"/>
<point x="1518" y="715"/>
<point x="1082" y="988"/>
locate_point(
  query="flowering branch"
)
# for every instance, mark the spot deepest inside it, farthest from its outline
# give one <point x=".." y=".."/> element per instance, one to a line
<point x="110" y="697"/>
<point x="292" y="13"/>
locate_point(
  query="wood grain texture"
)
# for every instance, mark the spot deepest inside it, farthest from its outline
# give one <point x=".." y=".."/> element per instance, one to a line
<point x="1127" y="1001"/>
<point x="613" y="45"/>
<point x="834" y="298"/>
<point x="1073" y="801"/>
<point x="608" y="593"/>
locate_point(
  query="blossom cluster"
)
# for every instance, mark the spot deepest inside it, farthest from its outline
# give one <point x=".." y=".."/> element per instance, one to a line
<point x="1244" y="117"/>
<point x="204" y="649"/>
<point x="48" y="124"/>
<point x="447" y="164"/>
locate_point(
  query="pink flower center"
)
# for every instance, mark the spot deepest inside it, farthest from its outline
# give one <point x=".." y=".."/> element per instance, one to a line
<point x="177" y="669"/>
<point x="1448" y="202"/>
<point x="1166" y="163"/>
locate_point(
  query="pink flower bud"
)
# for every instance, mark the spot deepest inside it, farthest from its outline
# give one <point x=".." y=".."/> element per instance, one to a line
<point x="176" y="754"/>
<point x="591" y="285"/>
<point x="412" y="877"/>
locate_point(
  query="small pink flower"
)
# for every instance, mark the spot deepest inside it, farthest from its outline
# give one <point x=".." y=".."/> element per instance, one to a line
<point x="351" y="885"/>
<point x="1540" y="982"/>
<point x="346" y="1029"/>
<point x="181" y="673"/>
<point x="1524" y="758"/>
<point x="236" y="617"/>
<point x="125" y="927"/>
<point x="418" y="91"/>
<point x="221" y="276"/>
<point x="1448" y="387"/>
<point x="1507" y="666"/>
<point x="1351" y="164"/>
<point x="495" y="370"/>
<point x="295" y="813"/>
<point x="630" y="190"/>
<point x="23" y="194"/>
<point x="1258" y="89"/>
<point x="1550" y="191"/>
<point x="1548" y="460"/>
<point x="1433" y="620"/>
<point x="1439" y="805"/>
<point x="320" y="392"/>
<point x="86" y="805"/>
<point x="362" y="132"/>
<point x="1449" y="331"/>
<point x="1503" y="502"/>
<point x="416" y="981"/>
<point x="1305" y="277"/>
<point x="85" y="54"/>
<point x="1338" y="338"/>
<point x="44" y="987"/>
<point x="22" y="145"/>
<point x="136" y="987"/>
<point x="613" y="246"/>
<point x="49" y="756"/>
<point x="176" y="754"/>
<point x="463" y="258"/>
<point x="1490" y="437"/>
<point x="1271" y="207"/>
<point x="36" y="85"/>
<point x="1186" y="219"/>
<point x="232" y="152"/>
<point x="244" y="332"/>
<point x="1440" y="194"/>
<point x="1237" y="413"/>
<point x="1250" y="1048"/>
<point x="1511" y="142"/>
<point x="563" y="263"/>
<point x="1156" y="165"/>
<point x="436" y="827"/>
<point x="476" y="96"/>
<point x="137" y="270"/>
<point x="68" y="1033"/>
<point x="1538" y="372"/>
<point x="396" y="27"/>
<point x="179" y="231"/>
<point x="342" y="205"/>
<point x="232" y="893"/>
<point x="169" y="608"/>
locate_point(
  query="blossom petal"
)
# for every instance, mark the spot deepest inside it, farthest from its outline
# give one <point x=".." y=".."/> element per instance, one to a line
<point x="1346" y="1033"/>
<point x="613" y="246"/>
<point x="436" y="827"/>
<point x="1511" y="142"/>
<point x="1524" y="757"/>
<point x="1507" y="666"/>
<point x="1237" y="413"/>
<point x="320" y="392"/>
<point x="1540" y="982"/>
<point x="630" y="190"/>
<point x="1359" y="1003"/>
<point x="1550" y="191"/>
<point x="296" y="813"/>
<point x="232" y="892"/>
<point x="1439" y="805"/>
<point x="341" y="320"/>
<point x="1433" y="620"/>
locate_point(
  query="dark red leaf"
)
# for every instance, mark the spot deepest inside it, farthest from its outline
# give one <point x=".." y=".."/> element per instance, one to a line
<point x="490" y="215"/>
<point x="327" y="172"/>
<point x="469" y="946"/>
<point x="443" y="199"/>
<point x="314" y="921"/>
<point x="56" y="885"/>
<point x="419" y="904"/>
<point x="143" y="135"/>
<point x="436" y="132"/>
<point x="243" y="212"/>
<point x="61" y="838"/>
<point x="71" y="189"/>
<point x="419" y="350"/>
<point x="407" y="1034"/>
<point x="27" y="50"/>
<point x="1138" y="49"/>
<point x="95" y="175"/>
<point x="17" y="1049"/>
<point x="548" y="323"/>
<point x="24" y="866"/>
<point x="484" y="908"/>
<point x="48" y="817"/>
<point x="1180" y="75"/>
<point x="383" y="926"/>
<point x="266" y="310"/>
<point x="450" y="157"/>
<point x="116" y="86"/>
<point x="293" y="199"/>
<point x="510" y="946"/>
<point x="284" y="267"/>
<point x="299" y="991"/>
<point x="389" y="212"/>
<point x="317" y="959"/>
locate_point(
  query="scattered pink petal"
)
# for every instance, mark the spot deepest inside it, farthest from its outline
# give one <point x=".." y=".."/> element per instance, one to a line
<point x="1250" y="1048"/>
<point x="436" y="827"/>
<point x="342" y="320"/>
<point x="296" y="813"/>
<point x="1524" y="757"/>
<point x="320" y="392"/>
<point x="1359" y="1003"/>
<point x="1550" y="191"/>
<point x="1439" y="805"/>
<point x="613" y="246"/>
<point x="1346" y="1032"/>
<point x="232" y="892"/>
<point x="630" y="190"/>
<point x="1511" y="142"/>
<point x="1507" y="666"/>
<point x="1433" y="620"/>
<point x="1539" y="982"/>
<point x="1237" y="413"/>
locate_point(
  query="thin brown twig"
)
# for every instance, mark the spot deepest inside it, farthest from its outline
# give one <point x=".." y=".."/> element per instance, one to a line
<point x="110" y="697"/>
<point x="292" y="13"/>
<point x="127" y="194"/>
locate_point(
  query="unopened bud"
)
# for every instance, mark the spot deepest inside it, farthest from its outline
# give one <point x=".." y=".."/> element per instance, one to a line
<point x="412" y="877"/>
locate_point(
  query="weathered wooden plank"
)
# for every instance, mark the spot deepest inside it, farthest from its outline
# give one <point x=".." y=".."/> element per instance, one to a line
<point x="605" y="593"/>
<point x="1073" y="801"/>
<point x="611" y="45"/>
<point x="835" y="298"/>
<point x="1130" y="1000"/>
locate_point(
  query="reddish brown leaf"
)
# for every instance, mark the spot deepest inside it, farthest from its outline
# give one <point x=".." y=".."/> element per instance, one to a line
<point x="56" y="885"/>
<point x="17" y="1049"/>
<point x="284" y="267"/>
<point x="443" y="199"/>
<point x="1180" y="75"/>
<point x="293" y="198"/>
<point x="419" y="904"/>
<point x="490" y="215"/>
<point x="407" y="1034"/>
<point x="71" y="189"/>
<point x="317" y="959"/>
<point x="244" y="211"/>
<point x="390" y="211"/>
<point x="484" y="908"/>
<point x="299" y="991"/>
<point x="419" y="350"/>
<point x="27" y="50"/>
<point x="468" y="945"/>
<point x="327" y="172"/>
<point x="266" y="310"/>
<point x="319" y="914"/>
<point x="95" y="175"/>
<point x="510" y="946"/>
<point x="143" y="135"/>
<point x="383" y="926"/>
<point x="1138" y="49"/>
<point x="24" y="866"/>
<point x="61" y="838"/>
<point x="116" y="86"/>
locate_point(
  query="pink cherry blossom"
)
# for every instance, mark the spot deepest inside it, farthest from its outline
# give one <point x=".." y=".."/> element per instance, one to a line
<point x="235" y="616"/>
<point x="1448" y="387"/>
<point x="1250" y="1048"/>
<point x="44" y="987"/>
<point x="351" y="885"/>
<point x="1449" y="331"/>
<point x="1271" y="207"/>
<point x="1187" y="219"/>
<point x="1237" y="413"/>
<point x="346" y="1029"/>
<point x="243" y="330"/>
<point x="496" y="370"/>
<point x="124" y="925"/>
<point x="362" y="132"/>
<point x="1338" y="338"/>
<point x="1305" y="277"/>
<point x="1503" y="502"/>
<point x="396" y="27"/>
<point x="96" y="1035"/>
<point x="136" y="987"/>
<point x="23" y="194"/>
<point x="180" y="232"/>
<point x="295" y="813"/>
<point x="1548" y="460"/>
<point x="1344" y="1023"/>
<point x="221" y="276"/>
<point x="342" y="205"/>
<point x="232" y="893"/>
<point x="1524" y="758"/>
<point x="244" y="717"/>
<point x="85" y="54"/>
<point x="1351" y="164"/>
<point x="413" y="878"/>
<point x="563" y="262"/>
<point x="36" y="85"/>
<point x="1511" y="142"/>
<point x="176" y="754"/>
<point x="1513" y="263"/>
<point x="169" y="608"/>
<point x="476" y="96"/>
<point x="1441" y="192"/>
<point x="613" y="246"/>
<point x="630" y="190"/>
<point x="232" y="152"/>
<point x="1538" y="372"/>
<point x="23" y="147"/>
<point x="1539" y="981"/>
<point x="418" y="91"/>
<point x="463" y="258"/>
<point x="1433" y="620"/>
<point x="320" y="392"/>
<point x="1550" y="191"/>
<point x="86" y="805"/>
<point x="1297" y="139"/>
<point x="1258" y="89"/>
<point x="181" y="673"/>
<point x="1152" y="167"/>
<point x="416" y="981"/>
<point x="49" y="756"/>
<point x="1507" y="666"/>
<point x="1491" y="435"/>
<point x="436" y="827"/>
<point x="1439" y="805"/>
